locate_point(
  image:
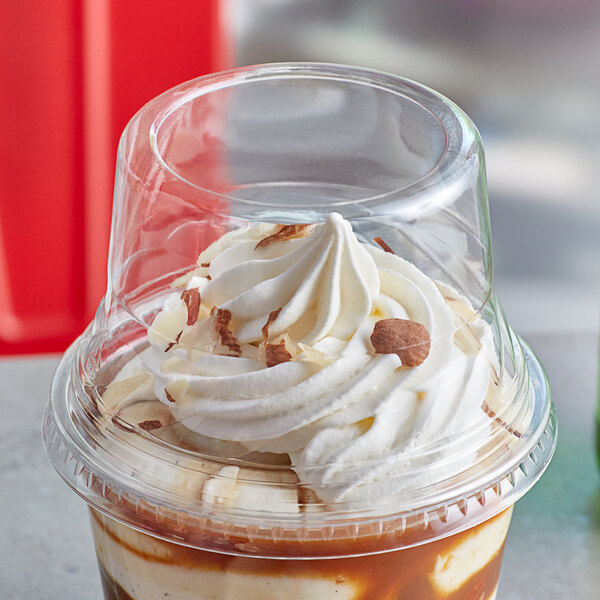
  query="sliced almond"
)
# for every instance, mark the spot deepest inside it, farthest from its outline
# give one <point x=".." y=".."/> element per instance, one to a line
<point x="192" y="301"/>
<point x="309" y="354"/>
<point x="409" y="340"/>
<point x="148" y="414"/>
<point x="222" y="318"/>
<point x="276" y="494"/>
<point x="220" y="488"/>
<point x="466" y="340"/>
<point x="276" y="354"/>
<point x="150" y="425"/>
<point x="286" y="232"/>
<point x="184" y="279"/>
<point x="383" y="245"/>
<point x="256" y="489"/>
<point x="462" y="312"/>
<point x="125" y="392"/>
<point x="272" y="316"/>
<point x="168" y="322"/>
<point x="177" y="338"/>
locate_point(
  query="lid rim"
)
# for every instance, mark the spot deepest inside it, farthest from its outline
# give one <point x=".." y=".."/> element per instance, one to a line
<point x="424" y="193"/>
<point x="88" y="474"/>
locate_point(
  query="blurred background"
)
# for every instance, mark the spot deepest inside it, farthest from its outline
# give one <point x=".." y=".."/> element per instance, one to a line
<point x="528" y="74"/>
<point x="73" y="72"/>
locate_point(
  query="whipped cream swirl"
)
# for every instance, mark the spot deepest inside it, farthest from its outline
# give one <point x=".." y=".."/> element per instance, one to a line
<point x="351" y="420"/>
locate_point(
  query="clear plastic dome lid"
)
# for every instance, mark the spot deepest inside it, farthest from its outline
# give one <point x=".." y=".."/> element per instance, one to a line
<point x="300" y="344"/>
<point x="289" y="144"/>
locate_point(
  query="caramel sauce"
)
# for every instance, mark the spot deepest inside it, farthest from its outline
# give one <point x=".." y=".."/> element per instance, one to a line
<point x="342" y="542"/>
<point x="400" y="574"/>
<point x="112" y="590"/>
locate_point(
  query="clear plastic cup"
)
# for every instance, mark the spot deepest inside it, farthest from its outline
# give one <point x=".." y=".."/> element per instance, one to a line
<point x="289" y="144"/>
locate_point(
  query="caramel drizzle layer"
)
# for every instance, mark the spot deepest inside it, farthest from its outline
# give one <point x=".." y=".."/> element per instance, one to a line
<point x="401" y="574"/>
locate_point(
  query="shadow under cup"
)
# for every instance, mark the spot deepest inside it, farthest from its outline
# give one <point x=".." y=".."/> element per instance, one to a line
<point x="289" y="144"/>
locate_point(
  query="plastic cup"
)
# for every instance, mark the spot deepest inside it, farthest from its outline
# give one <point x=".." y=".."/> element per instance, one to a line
<point x="290" y="143"/>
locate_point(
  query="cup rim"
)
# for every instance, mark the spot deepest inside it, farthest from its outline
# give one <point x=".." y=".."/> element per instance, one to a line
<point x="113" y="489"/>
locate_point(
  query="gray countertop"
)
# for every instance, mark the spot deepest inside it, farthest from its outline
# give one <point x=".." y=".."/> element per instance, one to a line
<point x="553" y="548"/>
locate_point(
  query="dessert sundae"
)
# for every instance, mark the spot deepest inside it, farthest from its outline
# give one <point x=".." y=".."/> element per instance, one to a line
<point x="329" y="370"/>
<point x="300" y="383"/>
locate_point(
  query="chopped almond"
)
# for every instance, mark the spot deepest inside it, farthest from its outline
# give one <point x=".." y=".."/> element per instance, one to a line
<point x="192" y="300"/>
<point x="276" y="354"/>
<point x="169" y="397"/>
<point x="175" y="342"/>
<point x="383" y="245"/>
<point x="409" y="340"/>
<point x="272" y="316"/>
<point x="150" y="425"/>
<point x="286" y="232"/>
<point x="222" y="317"/>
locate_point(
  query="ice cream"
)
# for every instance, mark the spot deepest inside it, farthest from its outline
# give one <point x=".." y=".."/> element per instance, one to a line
<point x="352" y="402"/>
<point x="341" y="365"/>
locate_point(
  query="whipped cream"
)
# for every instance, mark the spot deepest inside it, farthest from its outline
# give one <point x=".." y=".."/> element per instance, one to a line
<point x="351" y="420"/>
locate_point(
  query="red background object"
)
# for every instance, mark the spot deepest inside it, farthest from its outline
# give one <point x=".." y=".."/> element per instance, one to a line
<point x="72" y="73"/>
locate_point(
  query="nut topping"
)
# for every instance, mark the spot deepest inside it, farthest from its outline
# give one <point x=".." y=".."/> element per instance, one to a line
<point x="383" y="245"/>
<point x="286" y="232"/>
<point x="222" y="317"/>
<point x="150" y="425"/>
<point x="175" y="342"/>
<point x="409" y="340"/>
<point x="192" y="300"/>
<point x="276" y="354"/>
<point x="272" y="316"/>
